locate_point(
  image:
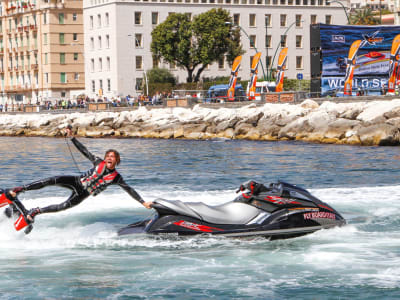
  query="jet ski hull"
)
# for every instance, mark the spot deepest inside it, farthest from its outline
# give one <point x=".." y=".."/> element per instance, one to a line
<point x="279" y="226"/>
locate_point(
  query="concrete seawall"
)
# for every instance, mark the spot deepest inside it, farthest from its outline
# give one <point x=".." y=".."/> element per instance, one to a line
<point x="356" y="123"/>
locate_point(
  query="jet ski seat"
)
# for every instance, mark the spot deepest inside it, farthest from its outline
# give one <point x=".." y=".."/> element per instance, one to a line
<point x="227" y="213"/>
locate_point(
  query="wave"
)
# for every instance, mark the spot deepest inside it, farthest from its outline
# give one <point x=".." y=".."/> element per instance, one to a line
<point x="370" y="211"/>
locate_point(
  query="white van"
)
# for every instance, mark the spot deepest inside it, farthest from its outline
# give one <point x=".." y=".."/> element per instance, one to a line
<point x="262" y="87"/>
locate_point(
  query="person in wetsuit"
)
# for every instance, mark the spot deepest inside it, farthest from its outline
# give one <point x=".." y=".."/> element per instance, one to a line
<point x="92" y="182"/>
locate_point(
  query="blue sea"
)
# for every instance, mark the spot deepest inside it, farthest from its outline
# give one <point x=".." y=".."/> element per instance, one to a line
<point x="76" y="254"/>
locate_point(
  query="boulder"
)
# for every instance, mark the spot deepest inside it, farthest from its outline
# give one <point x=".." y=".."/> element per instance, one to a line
<point x="379" y="134"/>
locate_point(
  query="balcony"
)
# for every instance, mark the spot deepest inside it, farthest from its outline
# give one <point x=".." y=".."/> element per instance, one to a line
<point x="33" y="27"/>
<point x="26" y="28"/>
<point x="34" y="66"/>
<point x="1" y="70"/>
<point x="10" y="69"/>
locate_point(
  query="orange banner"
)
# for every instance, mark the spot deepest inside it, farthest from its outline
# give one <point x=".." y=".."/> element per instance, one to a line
<point x="281" y="69"/>
<point x="233" y="78"/>
<point x="394" y="64"/>
<point x="351" y="62"/>
<point x="253" y="76"/>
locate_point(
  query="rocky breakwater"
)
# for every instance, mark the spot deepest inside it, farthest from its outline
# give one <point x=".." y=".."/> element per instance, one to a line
<point x="358" y="123"/>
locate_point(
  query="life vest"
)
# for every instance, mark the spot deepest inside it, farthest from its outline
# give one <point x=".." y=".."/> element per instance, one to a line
<point x="97" y="182"/>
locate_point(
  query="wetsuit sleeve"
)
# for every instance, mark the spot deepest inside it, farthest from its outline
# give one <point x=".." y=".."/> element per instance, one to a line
<point x="121" y="182"/>
<point x="82" y="149"/>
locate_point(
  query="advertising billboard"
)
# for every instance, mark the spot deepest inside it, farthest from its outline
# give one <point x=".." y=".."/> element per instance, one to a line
<point x="356" y="59"/>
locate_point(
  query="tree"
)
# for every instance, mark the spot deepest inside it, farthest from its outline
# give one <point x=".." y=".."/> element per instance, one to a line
<point x="364" y="17"/>
<point x="193" y="45"/>
<point x="160" y="75"/>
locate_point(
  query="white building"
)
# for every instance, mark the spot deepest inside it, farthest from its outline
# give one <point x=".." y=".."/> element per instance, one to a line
<point x="118" y="37"/>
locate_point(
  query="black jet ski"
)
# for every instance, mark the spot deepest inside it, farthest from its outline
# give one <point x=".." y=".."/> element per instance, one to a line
<point x="277" y="211"/>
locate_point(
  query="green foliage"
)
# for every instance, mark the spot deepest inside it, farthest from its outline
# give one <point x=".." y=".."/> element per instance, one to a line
<point x="160" y="87"/>
<point x="193" y="45"/>
<point x="364" y="17"/>
<point x="160" y="75"/>
<point x="293" y="84"/>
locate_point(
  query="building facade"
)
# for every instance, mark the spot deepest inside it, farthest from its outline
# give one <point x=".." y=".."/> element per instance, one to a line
<point x="118" y="37"/>
<point x="41" y="51"/>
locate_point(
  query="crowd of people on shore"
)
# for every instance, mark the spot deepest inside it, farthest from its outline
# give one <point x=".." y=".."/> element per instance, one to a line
<point x="83" y="102"/>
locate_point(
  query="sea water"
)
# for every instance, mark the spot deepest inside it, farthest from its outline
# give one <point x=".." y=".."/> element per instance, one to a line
<point x="77" y="254"/>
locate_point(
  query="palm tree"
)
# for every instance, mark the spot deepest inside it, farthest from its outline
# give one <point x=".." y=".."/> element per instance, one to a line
<point x="364" y="17"/>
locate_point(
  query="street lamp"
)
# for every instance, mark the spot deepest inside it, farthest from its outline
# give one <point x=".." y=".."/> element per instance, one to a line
<point x="144" y="69"/>
<point x="277" y="47"/>
<point x="344" y="8"/>
<point x="251" y="43"/>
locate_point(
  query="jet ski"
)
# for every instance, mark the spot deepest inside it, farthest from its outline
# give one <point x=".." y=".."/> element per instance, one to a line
<point x="277" y="211"/>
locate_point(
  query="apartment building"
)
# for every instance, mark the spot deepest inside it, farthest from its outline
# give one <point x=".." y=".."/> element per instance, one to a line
<point x="118" y="37"/>
<point x="41" y="50"/>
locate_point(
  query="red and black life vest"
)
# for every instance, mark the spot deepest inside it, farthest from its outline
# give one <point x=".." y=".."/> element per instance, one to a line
<point x="98" y="180"/>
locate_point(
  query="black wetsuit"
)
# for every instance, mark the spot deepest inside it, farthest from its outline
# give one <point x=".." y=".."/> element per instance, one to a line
<point x="92" y="182"/>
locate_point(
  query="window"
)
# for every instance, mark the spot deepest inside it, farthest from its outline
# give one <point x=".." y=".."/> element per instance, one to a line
<point x="107" y="20"/>
<point x="156" y="62"/>
<point x="44" y="39"/>
<point x="46" y="59"/>
<point x="98" y="21"/>
<point x="92" y="65"/>
<point x="139" y="83"/>
<point x="267" y="20"/>
<point x="252" y="20"/>
<point x="328" y="19"/>
<point x="267" y="41"/>
<point x="268" y="61"/>
<point x="109" y="85"/>
<point x="100" y="64"/>
<point x="313" y="19"/>
<point x="101" y="84"/>
<point x="221" y="63"/>
<point x="75" y="56"/>
<point x="283" y="20"/>
<point x="290" y="2"/>
<point x="61" y="18"/>
<point x="44" y="18"/>
<point x="138" y="18"/>
<point x="61" y="37"/>
<point x="76" y="76"/>
<point x="74" y="17"/>
<point x="298" y="20"/>
<point x="62" y="58"/>
<point x="108" y="63"/>
<point x="154" y="18"/>
<point x="107" y="41"/>
<point x="139" y="63"/>
<point x="91" y="22"/>
<point x="305" y="2"/>
<point x="93" y="86"/>
<point x="99" y="41"/>
<point x="46" y="77"/>
<point x="236" y="19"/>
<point x="252" y="39"/>
<point x="75" y="37"/>
<point x="138" y="40"/>
<point x="91" y="43"/>
<point x="63" y="77"/>
<point x="283" y="41"/>
<point x="299" y="62"/>
<point x="299" y="41"/>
